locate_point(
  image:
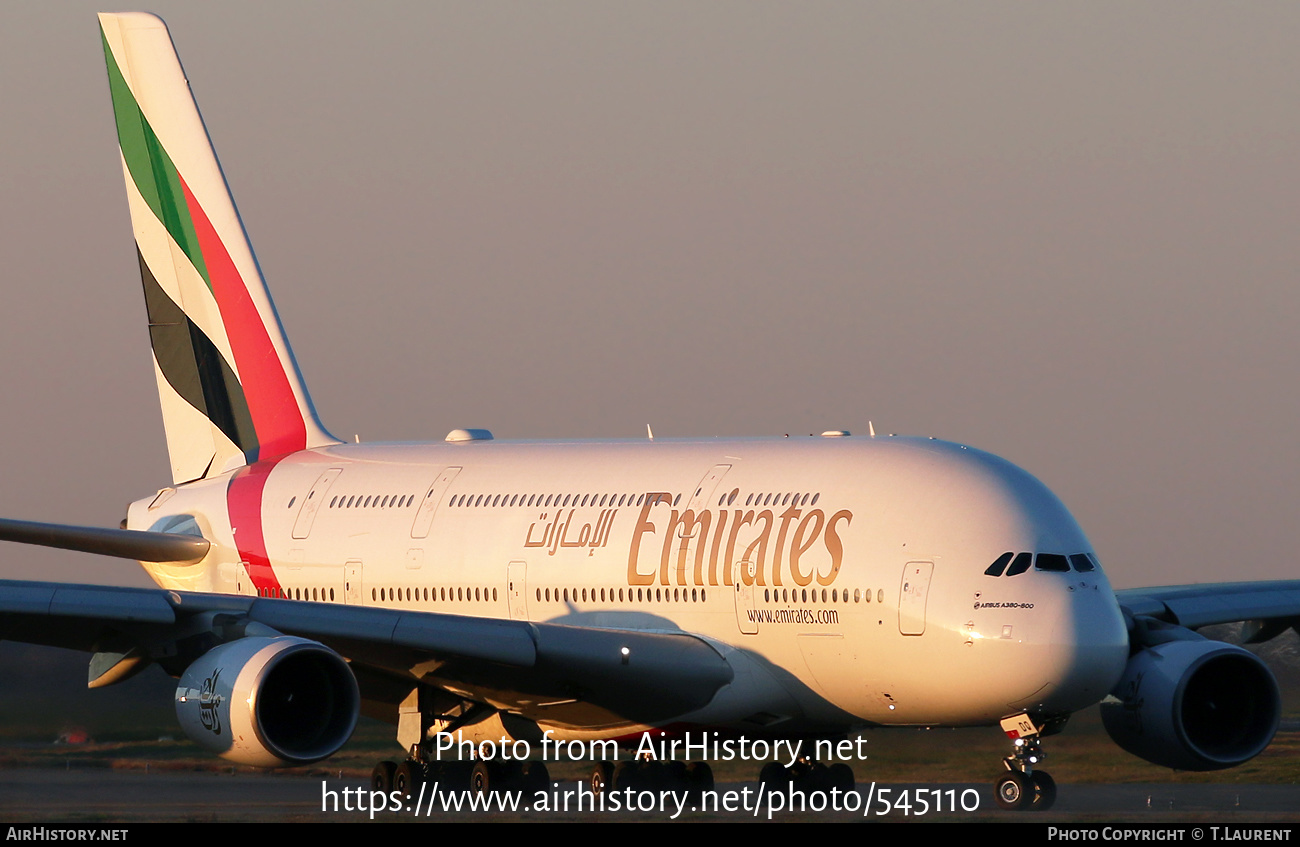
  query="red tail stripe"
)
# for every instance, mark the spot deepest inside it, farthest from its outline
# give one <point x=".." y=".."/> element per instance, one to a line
<point x="277" y="418"/>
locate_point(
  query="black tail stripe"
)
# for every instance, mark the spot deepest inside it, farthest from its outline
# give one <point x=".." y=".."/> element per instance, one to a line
<point x="194" y="367"/>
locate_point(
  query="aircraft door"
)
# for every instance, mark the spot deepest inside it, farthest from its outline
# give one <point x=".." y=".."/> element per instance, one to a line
<point x="689" y="540"/>
<point x="517" y="590"/>
<point x="912" y="596"/>
<point x="742" y="588"/>
<point x="352" y="583"/>
<point x="228" y="577"/>
<point x="311" y="505"/>
<point x="429" y="505"/>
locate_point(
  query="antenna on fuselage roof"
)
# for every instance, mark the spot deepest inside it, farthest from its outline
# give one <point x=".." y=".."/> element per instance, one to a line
<point x="871" y="429"/>
<point x="649" y="432"/>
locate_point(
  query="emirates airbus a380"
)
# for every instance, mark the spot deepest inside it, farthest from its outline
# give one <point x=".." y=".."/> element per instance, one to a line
<point x="791" y="588"/>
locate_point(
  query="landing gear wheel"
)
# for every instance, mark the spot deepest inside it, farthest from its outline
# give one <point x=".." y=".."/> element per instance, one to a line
<point x="626" y="775"/>
<point x="774" y="775"/>
<point x="381" y="778"/>
<point x="535" y="777"/>
<point x="674" y="775"/>
<point x="818" y="777"/>
<point x="509" y="775"/>
<point x="481" y="779"/>
<point x="602" y="778"/>
<point x="1044" y="792"/>
<point x="841" y="776"/>
<point x="1013" y="792"/>
<point x="699" y="777"/>
<point x="408" y="777"/>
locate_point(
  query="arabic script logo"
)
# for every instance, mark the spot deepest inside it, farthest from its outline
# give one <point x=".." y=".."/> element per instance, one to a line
<point x="210" y="703"/>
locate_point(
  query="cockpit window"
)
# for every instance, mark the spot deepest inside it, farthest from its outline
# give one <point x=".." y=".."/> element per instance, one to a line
<point x="1021" y="564"/>
<point x="1051" y="562"/>
<point x="1082" y="563"/>
<point x="997" y="567"/>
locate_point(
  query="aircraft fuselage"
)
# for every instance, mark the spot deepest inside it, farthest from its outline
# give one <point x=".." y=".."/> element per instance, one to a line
<point x="843" y="577"/>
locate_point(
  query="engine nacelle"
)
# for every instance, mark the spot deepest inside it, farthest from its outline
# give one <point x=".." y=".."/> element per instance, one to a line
<point x="269" y="702"/>
<point x="1195" y="705"/>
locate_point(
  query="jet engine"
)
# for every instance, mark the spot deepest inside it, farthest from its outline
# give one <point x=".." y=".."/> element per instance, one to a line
<point x="269" y="702"/>
<point x="1194" y="705"/>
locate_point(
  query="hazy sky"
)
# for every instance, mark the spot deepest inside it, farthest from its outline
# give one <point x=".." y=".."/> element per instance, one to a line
<point x="1059" y="232"/>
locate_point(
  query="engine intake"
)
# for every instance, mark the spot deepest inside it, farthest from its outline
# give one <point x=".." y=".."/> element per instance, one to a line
<point x="1194" y="705"/>
<point x="269" y="702"/>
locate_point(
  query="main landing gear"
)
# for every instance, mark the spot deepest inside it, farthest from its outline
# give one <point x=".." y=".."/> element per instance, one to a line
<point x="1022" y="788"/>
<point x="479" y="777"/>
<point x="425" y="709"/>
<point x="643" y="775"/>
<point x="807" y="774"/>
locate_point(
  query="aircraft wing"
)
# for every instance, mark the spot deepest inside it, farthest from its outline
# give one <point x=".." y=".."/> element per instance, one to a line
<point x="1269" y="608"/>
<point x="526" y="667"/>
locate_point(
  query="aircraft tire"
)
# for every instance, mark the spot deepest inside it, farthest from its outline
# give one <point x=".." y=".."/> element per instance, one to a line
<point x="774" y="775"/>
<point x="1013" y="792"/>
<point x="699" y="778"/>
<point x="1044" y="792"/>
<point x="381" y="778"/>
<point x="625" y="776"/>
<point x="408" y="777"/>
<point x="481" y="779"/>
<point x="602" y="778"/>
<point x="535" y="777"/>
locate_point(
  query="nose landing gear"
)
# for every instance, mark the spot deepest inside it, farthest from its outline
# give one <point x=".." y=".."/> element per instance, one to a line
<point x="1022" y="788"/>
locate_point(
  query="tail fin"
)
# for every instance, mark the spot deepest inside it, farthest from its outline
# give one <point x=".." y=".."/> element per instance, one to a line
<point x="230" y="389"/>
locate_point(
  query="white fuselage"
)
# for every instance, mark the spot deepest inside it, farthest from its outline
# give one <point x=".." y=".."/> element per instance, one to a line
<point x="843" y="577"/>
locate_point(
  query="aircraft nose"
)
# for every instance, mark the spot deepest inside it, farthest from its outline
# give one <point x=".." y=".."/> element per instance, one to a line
<point x="1088" y="644"/>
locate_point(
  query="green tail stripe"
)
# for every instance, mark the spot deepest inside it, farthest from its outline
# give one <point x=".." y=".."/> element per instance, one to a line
<point x="151" y="168"/>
